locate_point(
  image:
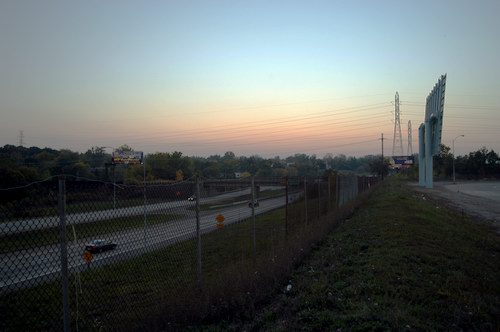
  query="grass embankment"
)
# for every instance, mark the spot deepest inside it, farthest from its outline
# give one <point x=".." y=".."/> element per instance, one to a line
<point x="401" y="262"/>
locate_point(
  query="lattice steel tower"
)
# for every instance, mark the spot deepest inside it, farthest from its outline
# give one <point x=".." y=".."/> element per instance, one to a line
<point x="397" y="143"/>
<point x="410" y="140"/>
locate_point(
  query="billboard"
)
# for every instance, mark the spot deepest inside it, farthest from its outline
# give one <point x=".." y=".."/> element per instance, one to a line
<point x="403" y="160"/>
<point x="429" y="132"/>
<point x="127" y="157"/>
<point x="434" y="108"/>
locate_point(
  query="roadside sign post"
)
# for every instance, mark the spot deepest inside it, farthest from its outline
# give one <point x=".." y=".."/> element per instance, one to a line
<point x="131" y="158"/>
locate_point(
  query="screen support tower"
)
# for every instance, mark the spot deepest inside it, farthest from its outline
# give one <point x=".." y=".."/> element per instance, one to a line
<point x="429" y="133"/>
<point x="397" y="143"/>
<point x="410" y="140"/>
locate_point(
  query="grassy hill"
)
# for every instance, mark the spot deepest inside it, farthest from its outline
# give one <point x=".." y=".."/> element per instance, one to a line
<point x="402" y="262"/>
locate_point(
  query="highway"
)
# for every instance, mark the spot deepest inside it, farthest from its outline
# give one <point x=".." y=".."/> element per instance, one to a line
<point x="33" y="224"/>
<point x="30" y="267"/>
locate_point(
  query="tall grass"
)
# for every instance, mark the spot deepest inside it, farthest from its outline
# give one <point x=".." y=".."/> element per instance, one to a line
<point x="402" y="262"/>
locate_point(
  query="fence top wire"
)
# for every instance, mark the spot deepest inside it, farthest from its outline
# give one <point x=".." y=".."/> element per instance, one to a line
<point x="30" y="184"/>
<point x="118" y="185"/>
<point x="149" y="183"/>
<point x="57" y="176"/>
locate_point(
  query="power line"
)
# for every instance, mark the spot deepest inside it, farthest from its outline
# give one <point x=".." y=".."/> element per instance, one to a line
<point x="274" y="132"/>
<point x="250" y="125"/>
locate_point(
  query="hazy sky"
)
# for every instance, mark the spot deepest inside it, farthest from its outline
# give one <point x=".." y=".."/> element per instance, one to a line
<point x="252" y="77"/>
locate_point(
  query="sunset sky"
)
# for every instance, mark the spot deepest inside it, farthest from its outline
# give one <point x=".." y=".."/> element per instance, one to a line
<point x="253" y="77"/>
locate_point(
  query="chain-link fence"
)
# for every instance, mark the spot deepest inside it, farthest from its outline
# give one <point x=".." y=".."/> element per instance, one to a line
<point x="91" y="255"/>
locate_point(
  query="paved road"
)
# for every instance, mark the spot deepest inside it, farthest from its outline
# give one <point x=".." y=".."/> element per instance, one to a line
<point x="481" y="189"/>
<point x="30" y="267"/>
<point x="33" y="224"/>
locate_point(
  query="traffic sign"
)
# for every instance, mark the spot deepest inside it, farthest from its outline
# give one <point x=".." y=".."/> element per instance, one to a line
<point x="220" y="221"/>
<point x="87" y="256"/>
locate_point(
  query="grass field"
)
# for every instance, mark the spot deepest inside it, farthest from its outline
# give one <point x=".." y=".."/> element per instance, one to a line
<point x="401" y="262"/>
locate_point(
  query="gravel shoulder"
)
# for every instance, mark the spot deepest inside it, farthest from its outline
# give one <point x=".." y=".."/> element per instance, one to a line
<point x="480" y="199"/>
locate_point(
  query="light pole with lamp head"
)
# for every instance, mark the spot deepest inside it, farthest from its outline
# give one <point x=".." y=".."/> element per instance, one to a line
<point x="453" y="148"/>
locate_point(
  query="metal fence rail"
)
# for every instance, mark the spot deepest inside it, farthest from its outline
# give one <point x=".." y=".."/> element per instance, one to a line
<point x="163" y="249"/>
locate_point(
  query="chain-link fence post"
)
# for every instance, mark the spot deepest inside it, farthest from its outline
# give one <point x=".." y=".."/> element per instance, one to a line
<point x="198" y="233"/>
<point x="355" y="187"/>
<point x="305" y="199"/>
<point x="114" y="186"/>
<point x="328" y="206"/>
<point x="252" y="190"/>
<point x="64" y="252"/>
<point x="286" y="205"/>
<point x="145" y="213"/>
<point x="337" y="190"/>
<point x="319" y="197"/>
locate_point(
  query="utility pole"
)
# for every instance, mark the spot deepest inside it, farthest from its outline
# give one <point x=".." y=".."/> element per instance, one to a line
<point x="21" y="138"/>
<point x="453" y="149"/>
<point x="382" y="139"/>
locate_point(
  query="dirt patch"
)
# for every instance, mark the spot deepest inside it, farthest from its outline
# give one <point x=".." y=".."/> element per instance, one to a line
<point x="480" y="200"/>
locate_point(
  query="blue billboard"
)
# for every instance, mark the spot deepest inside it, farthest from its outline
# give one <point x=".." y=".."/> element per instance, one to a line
<point x="404" y="160"/>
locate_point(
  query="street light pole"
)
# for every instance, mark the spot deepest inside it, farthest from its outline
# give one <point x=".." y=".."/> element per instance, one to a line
<point x="453" y="148"/>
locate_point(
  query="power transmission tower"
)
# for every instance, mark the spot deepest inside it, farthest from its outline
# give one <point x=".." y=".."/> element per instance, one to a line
<point x="397" y="143"/>
<point x="410" y="139"/>
<point x="21" y="138"/>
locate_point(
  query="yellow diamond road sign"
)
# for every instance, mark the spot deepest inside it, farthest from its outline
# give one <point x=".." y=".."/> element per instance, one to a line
<point x="87" y="256"/>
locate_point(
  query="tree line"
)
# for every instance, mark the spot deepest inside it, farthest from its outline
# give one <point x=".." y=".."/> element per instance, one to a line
<point x="22" y="165"/>
<point x="479" y="164"/>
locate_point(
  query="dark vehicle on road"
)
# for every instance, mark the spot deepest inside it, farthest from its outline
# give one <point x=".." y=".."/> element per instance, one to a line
<point x="255" y="203"/>
<point x="192" y="198"/>
<point x="95" y="246"/>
